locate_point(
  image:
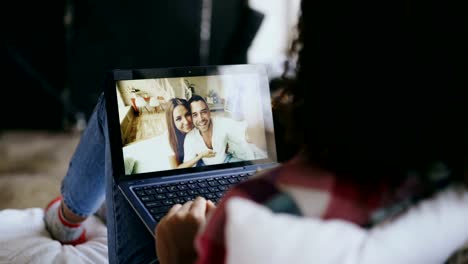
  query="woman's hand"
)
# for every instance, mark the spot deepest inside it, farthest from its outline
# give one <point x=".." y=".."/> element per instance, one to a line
<point x="175" y="233"/>
<point x="207" y="154"/>
<point x="190" y="163"/>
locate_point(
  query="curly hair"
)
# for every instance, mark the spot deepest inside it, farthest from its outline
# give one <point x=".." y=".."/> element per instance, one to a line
<point x="379" y="88"/>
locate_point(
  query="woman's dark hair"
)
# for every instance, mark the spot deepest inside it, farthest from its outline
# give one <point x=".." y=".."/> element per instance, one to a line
<point x="380" y="87"/>
<point x="176" y="138"/>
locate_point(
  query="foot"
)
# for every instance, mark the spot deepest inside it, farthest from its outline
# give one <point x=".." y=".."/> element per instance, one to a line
<point x="60" y="228"/>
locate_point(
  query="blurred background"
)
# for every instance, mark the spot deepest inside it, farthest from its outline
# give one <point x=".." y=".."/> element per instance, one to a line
<point x="53" y="57"/>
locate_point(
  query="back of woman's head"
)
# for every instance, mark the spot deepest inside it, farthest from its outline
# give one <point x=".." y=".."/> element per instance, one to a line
<point x="380" y="86"/>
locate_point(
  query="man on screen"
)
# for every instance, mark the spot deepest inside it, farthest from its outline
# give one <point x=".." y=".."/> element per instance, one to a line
<point x="224" y="136"/>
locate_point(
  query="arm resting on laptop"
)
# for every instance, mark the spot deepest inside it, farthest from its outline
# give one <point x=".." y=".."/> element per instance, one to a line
<point x="428" y="233"/>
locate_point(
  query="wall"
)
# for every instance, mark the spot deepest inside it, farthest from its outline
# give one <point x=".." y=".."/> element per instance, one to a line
<point x="276" y="33"/>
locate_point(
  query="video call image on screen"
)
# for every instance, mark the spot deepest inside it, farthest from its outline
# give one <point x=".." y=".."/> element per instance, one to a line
<point x="184" y="122"/>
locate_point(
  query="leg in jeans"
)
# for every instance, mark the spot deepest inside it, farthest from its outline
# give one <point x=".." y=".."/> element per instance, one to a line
<point x="83" y="188"/>
<point x="89" y="180"/>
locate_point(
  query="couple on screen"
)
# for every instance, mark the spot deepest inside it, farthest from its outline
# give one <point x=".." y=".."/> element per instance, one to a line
<point x="197" y="139"/>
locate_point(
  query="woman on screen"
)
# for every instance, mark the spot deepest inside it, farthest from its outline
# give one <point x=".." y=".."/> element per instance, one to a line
<point x="179" y="123"/>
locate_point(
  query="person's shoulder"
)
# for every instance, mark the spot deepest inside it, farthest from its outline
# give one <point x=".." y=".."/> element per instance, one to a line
<point x="226" y="122"/>
<point x="191" y="134"/>
<point x="215" y="119"/>
<point x="220" y="119"/>
<point x="259" y="186"/>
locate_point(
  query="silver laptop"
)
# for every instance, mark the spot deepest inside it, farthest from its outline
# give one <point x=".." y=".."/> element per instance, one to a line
<point x="179" y="133"/>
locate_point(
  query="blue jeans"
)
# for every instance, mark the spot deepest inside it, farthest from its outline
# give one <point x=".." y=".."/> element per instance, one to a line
<point x="89" y="182"/>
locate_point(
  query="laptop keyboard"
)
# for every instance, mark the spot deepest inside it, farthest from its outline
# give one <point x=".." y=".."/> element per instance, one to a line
<point x="158" y="199"/>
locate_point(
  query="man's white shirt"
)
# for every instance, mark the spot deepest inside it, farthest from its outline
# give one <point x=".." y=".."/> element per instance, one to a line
<point x="225" y="131"/>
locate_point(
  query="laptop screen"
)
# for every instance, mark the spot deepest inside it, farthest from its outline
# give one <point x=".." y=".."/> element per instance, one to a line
<point x="194" y="119"/>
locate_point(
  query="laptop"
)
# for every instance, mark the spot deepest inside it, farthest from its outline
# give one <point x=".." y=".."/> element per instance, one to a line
<point x="166" y="151"/>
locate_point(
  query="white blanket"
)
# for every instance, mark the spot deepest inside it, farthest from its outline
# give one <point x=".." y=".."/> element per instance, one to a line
<point x="428" y="233"/>
<point x="24" y="239"/>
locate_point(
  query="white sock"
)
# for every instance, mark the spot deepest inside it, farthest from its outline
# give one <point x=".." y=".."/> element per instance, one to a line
<point x="60" y="228"/>
<point x="101" y="212"/>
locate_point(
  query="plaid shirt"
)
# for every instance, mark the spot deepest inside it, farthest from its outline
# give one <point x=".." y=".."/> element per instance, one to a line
<point x="296" y="188"/>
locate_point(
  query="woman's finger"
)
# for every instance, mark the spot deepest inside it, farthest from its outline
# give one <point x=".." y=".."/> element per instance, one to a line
<point x="186" y="207"/>
<point x="210" y="154"/>
<point x="210" y="207"/>
<point x="173" y="210"/>
<point x="198" y="208"/>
